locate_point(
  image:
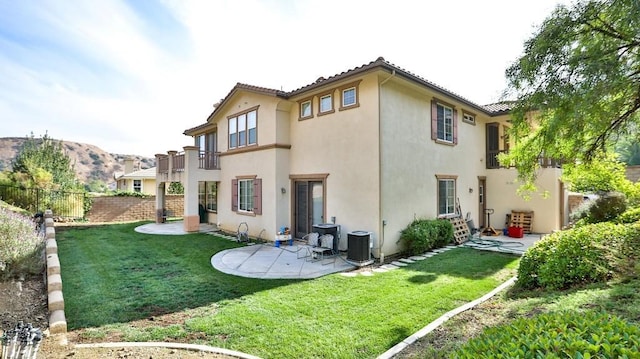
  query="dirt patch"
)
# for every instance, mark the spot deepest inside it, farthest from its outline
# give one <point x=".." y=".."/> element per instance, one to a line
<point x="26" y="301"/>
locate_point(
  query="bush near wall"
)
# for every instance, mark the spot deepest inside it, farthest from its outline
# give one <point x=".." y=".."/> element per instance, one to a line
<point x="422" y="235"/>
<point x="591" y="253"/>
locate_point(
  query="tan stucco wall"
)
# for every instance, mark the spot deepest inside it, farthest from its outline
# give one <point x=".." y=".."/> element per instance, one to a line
<point x="343" y="145"/>
<point x="502" y="196"/>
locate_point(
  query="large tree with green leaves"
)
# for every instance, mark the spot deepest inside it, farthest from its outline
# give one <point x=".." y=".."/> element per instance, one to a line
<point x="43" y="163"/>
<point x="577" y="85"/>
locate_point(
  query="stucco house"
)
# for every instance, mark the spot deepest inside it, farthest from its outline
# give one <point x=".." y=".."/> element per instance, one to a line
<point x="134" y="179"/>
<point x="371" y="149"/>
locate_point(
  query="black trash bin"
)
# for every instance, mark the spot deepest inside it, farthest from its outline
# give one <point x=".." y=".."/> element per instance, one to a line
<point x="329" y="228"/>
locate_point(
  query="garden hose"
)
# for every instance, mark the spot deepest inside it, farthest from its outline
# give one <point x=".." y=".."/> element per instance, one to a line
<point x="503" y="246"/>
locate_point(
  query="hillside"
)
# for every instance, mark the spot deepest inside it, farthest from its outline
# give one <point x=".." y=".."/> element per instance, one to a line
<point x="91" y="162"/>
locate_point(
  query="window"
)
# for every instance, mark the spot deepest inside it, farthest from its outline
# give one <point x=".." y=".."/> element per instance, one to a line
<point x="349" y="97"/>
<point x="137" y="185"/>
<point x="326" y="104"/>
<point x="246" y="195"/>
<point x="468" y="118"/>
<point x="446" y="195"/>
<point x="306" y="109"/>
<point x="243" y="129"/>
<point x="443" y="123"/>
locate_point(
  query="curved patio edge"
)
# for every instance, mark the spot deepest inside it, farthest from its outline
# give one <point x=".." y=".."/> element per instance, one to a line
<point x="194" y="347"/>
<point x="438" y="322"/>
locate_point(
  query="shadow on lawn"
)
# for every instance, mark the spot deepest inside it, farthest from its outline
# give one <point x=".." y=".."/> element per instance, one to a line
<point x="462" y="263"/>
<point x="114" y="275"/>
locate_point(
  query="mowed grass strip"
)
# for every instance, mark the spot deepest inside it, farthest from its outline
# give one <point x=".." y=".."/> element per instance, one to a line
<point x="329" y="317"/>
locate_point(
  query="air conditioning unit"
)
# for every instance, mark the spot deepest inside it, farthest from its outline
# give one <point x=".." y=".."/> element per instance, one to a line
<point x="359" y="248"/>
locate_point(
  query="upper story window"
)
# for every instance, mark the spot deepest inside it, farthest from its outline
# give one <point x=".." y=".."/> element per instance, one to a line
<point x="443" y="123"/>
<point x="243" y="129"/>
<point x="468" y="118"/>
<point x="326" y="104"/>
<point x="306" y="109"/>
<point x="349" y="96"/>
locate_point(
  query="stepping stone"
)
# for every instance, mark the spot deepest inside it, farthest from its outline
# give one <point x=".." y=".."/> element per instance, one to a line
<point x="366" y="274"/>
<point x="349" y="274"/>
<point x="399" y="264"/>
<point x="440" y="250"/>
<point x="389" y="266"/>
<point x="451" y="247"/>
<point x="429" y="254"/>
<point x="380" y="270"/>
<point x="406" y="260"/>
<point x="417" y="258"/>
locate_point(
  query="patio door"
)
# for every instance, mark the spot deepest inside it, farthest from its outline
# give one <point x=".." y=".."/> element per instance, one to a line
<point x="308" y="206"/>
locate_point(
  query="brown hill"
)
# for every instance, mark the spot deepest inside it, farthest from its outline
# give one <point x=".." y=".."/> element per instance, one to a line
<point x="91" y="162"/>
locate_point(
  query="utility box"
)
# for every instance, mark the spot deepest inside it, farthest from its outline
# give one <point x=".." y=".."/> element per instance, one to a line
<point x="359" y="247"/>
<point x="329" y="228"/>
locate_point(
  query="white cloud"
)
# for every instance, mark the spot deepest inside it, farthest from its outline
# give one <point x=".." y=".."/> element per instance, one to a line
<point x="109" y="74"/>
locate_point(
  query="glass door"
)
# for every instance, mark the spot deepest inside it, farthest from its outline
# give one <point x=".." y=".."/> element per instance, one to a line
<point x="309" y="206"/>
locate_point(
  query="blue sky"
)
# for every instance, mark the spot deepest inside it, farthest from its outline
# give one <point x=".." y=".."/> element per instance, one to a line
<point x="131" y="76"/>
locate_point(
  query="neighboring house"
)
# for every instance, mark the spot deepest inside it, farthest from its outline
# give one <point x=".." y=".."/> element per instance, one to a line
<point x="135" y="179"/>
<point x="369" y="149"/>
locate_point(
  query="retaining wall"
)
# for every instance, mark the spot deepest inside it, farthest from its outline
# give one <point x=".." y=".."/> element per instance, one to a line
<point x="57" y="319"/>
<point x="126" y="209"/>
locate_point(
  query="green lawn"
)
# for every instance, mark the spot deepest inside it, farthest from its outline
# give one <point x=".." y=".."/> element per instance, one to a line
<point x="113" y="276"/>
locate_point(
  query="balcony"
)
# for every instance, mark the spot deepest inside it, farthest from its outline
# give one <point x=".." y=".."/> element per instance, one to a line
<point x="206" y="160"/>
<point x="173" y="166"/>
<point x="544" y="162"/>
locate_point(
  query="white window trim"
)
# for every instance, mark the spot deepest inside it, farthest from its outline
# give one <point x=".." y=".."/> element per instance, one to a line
<point x="302" y="115"/>
<point x="330" y="109"/>
<point x="250" y="183"/>
<point x="468" y="118"/>
<point x="444" y="123"/>
<point x="355" y="96"/>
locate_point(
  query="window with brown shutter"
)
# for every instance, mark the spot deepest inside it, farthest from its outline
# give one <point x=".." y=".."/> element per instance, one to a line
<point x="444" y="123"/>
<point x="246" y="195"/>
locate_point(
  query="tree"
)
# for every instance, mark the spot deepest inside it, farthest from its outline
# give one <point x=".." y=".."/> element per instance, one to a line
<point x="577" y="85"/>
<point x="44" y="164"/>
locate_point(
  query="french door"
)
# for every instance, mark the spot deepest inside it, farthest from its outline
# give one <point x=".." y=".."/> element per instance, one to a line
<point x="308" y="206"/>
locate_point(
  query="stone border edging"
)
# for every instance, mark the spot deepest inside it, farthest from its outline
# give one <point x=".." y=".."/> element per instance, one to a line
<point x="55" y="299"/>
<point x="438" y="322"/>
<point x="194" y="347"/>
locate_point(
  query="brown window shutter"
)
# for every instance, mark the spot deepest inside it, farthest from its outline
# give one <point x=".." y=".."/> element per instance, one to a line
<point x="455" y="127"/>
<point x="257" y="196"/>
<point x="234" y="195"/>
<point x="434" y="120"/>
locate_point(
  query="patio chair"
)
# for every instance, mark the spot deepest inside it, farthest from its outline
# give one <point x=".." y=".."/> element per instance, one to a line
<point x="326" y="245"/>
<point x="310" y="240"/>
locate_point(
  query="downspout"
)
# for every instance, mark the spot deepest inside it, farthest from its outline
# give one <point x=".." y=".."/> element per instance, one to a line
<point x="383" y="223"/>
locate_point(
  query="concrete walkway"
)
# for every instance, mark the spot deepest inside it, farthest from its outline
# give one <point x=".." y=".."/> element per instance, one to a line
<point x="268" y="262"/>
<point x="171" y="228"/>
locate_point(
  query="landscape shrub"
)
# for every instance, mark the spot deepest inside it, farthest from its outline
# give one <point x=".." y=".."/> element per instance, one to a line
<point x="629" y="216"/>
<point x="422" y="235"/>
<point x="606" y="207"/>
<point x="576" y="256"/>
<point x="557" y="335"/>
<point x="21" y="247"/>
<point x="119" y="193"/>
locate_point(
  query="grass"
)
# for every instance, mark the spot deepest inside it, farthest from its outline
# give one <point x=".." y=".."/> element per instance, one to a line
<point x="149" y="288"/>
<point x="618" y="298"/>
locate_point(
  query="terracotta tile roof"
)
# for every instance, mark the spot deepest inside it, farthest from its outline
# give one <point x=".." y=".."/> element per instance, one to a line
<point x="500" y="107"/>
<point x="380" y="63"/>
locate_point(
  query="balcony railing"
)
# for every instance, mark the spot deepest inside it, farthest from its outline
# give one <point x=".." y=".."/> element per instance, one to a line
<point x="206" y="160"/>
<point x="545" y="162"/>
<point x="209" y="160"/>
<point x="163" y="164"/>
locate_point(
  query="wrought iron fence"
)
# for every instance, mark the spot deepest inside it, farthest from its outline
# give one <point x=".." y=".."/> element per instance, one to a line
<point x="68" y="205"/>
